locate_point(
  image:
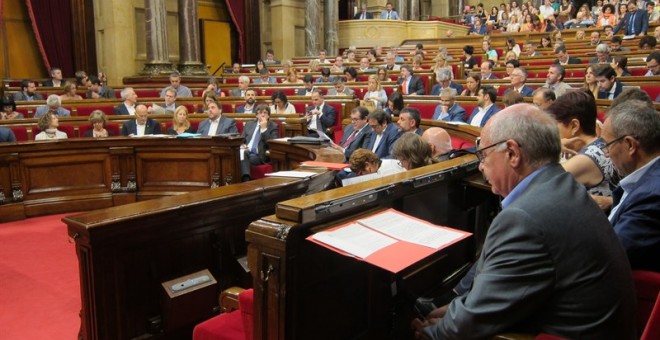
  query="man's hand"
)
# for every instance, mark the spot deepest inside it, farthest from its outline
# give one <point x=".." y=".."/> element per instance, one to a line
<point x="263" y="123"/>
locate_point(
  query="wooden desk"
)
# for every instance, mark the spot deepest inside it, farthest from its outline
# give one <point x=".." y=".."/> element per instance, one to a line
<point x="285" y="156"/>
<point x="48" y="177"/>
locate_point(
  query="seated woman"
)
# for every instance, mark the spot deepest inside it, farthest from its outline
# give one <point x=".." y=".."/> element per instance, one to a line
<point x="9" y="109"/>
<point x="351" y="74"/>
<point x="280" y="104"/>
<point x="575" y="112"/>
<point x="417" y="63"/>
<point x="590" y="82"/>
<point x="412" y="151"/>
<point x="395" y="104"/>
<point x="472" y="85"/>
<point x="292" y="77"/>
<point x="287" y="65"/>
<point x="256" y="134"/>
<point x="619" y="64"/>
<point x="48" y="125"/>
<point x="382" y="74"/>
<point x="70" y="89"/>
<point x="607" y="17"/>
<point x="375" y="92"/>
<point x="180" y="122"/>
<point x="207" y="98"/>
<point x="99" y="120"/>
<point x="365" y="162"/>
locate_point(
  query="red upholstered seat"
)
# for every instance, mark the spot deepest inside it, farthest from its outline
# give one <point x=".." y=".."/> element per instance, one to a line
<point x="289" y="91"/>
<point x="236" y="325"/>
<point x="113" y="128"/>
<point x="20" y="132"/>
<point x="260" y="171"/>
<point x="147" y="93"/>
<point x="300" y="107"/>
<point x="425" y="109"/>
<point x="647" y="287"/>
<point x="239" y="126"/>
<point x="87" y="110"/>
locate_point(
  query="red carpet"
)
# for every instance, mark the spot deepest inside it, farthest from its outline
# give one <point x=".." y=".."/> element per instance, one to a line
<point x="39" y="287"/>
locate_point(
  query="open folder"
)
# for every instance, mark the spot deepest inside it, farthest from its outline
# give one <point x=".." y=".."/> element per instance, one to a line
<point x="390" y="239"/>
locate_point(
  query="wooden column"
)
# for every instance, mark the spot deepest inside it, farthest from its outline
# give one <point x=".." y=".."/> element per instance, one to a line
<point x="158" y="60"/>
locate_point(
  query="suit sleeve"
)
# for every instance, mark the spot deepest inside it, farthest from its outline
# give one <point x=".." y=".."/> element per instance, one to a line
<point x="232" y="127"/>
<point x="419" y="87"/>
<point x="637" y="228"/>
<point x="618" y="26"/>
<point x="515" y="276"/>
<point x="645" y="23"/>
<point x="328" y="118"/>
<point x="156" y="127"/>
<point x="124" y="129"/>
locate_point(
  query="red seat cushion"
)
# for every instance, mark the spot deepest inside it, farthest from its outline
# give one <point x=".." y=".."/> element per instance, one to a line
<point x="226" y="326"/>
<point x="20" y="132"/>
<point x="260" y="171"/>
<point x="647" y="287"/>
<point x="87" y="110"/>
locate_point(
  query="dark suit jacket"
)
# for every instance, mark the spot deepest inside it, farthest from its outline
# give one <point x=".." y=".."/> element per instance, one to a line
<point x="618" y="87"/>
<point x="302" y="92"/>
<point x="456" y="113"/>
<point x="7" y="135"/>
<point x="492" y="76"/>
<point x="271" y="132"/>
<point x="530" y="275"/>
<point x="120" y="110"/>
<point x="326" y="120"/>
<point x="525" y="91"/>
<point x="637" y="220"/>
<point x="435" y="91"/>
<point x="130" y="127"/>
<point x="390" y="135"/>
<point x="21" y="96"/>
<point x="106" y="92"/>
<point x="241" y="109"/>
<point x="640" y="24"/>
<point x="49" y="83"/>
<point x="358" y="142"/>
<point x="359" y="14"/>
<point x="571" y="61"/>
<point x="416" y="85"/>
<point x="226" y="125"/>
<point x="491" y="111"/>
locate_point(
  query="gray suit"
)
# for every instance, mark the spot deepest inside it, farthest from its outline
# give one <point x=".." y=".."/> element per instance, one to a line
<point x="61" y="112"/>
<point x="551" y="263"/>
<point x="226" y="125"/>
<point x="22" y="96"/>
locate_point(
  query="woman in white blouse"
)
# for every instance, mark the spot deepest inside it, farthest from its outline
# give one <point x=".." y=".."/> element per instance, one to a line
<point x="376" y="93"/>
<point x="48" y="124"/>
<point x="281" y="103"/>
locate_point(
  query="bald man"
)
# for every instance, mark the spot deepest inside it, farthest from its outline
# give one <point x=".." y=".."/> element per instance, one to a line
<point x="439" y="141"/>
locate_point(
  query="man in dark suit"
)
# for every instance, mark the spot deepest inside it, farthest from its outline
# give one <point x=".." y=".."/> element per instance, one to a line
<point x="448" y="110"/>
<point x="7" y="135"/>
<point x="410" y="84"/>
<point x="608" y="86"/>
<point x="256" y="134"/>
<point x="409" y="121"/>
<point x="486" y="106"/>
<point x="129" y="97"/>
<point x="250" y="100"/>
<point x="631" y="133"/>
<point x="537" y="265"/>
<point x="98" y="90"/>
<point x="363" y="15"/>
<point x="243" y="83"/>
<point x="55" y="78"/>
<point x="487" y="70"/>
<point x="309" y="86"/>
<point x="518" y="79"/>
<point x="635" y="22"/>
<point x="563" y="58"/>
<point x="216" y="123"/>
<point x="384" y="133"/>
<point x="443" y="77"/>
<point x="28" y="92"/>
<point x="320" y="116"/>
<point x="141" y="125"/>
<point x="356" y="134"/>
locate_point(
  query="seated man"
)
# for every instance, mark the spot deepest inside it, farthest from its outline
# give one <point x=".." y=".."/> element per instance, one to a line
<point x="602" y="55"/>
<point x="96" y="89"/>
<point x="631" y="134"/>
<point x="530" y="49"/>
<point x="309" y="86"/>
<point x="175" y="83"/>
<point x="409" y="121"/>
<point x="616" y="45"/>
<point x="325" y="76"/>
<point x="141" y="125"/>
<point x="384" y="133"/>
<point x="243" y="83"/>
<point x="389" y="13"/>
<point x="653" y="64"/>
<point x="169" y="106"/>
<point x="410" y="84"/>
<point x="608" y="86"/>
<point x="270" y="57"/>
<point x="563" y="58"/>
<point x="356" y="134"/>
<point x="319" y="115"/>
<point x="7" y="135"/>
<point x="539" y="271"/>
<point x="250" y="100"/>
<point x="322" y="57"/>
<point x="487" y="70"/>
<point x="256" y="134"/>
<point x="543" y="97"/>
<point x="486" y="108"/>
<point x="390" y="62"/>
<point x="555" y="80"/>
<point x="216" y="124"/>
<point x="28" y="92"/>
<point x="518" y="79"/>
<point x="443" y="77"/>
<point x="365" y="66"/>
<point x="129" y="97"/>
<point x="340" y="88"/>
<point x="439" y="141"/>
<point x="55" y="78"/>
<point x="264" y="78"/>
<point x="53" y="104"/>
<point x="338" y="66"/>
<point x="448" y="110"/>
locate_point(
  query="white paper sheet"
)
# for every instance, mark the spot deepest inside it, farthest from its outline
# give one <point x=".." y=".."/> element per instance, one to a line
<point x="355" y="240"/>
<point x="295" y="174"/>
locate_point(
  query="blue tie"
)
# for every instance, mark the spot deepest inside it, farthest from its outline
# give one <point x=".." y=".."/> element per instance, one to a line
<point x="257" y="137"/>
<point x="631" y="29"/>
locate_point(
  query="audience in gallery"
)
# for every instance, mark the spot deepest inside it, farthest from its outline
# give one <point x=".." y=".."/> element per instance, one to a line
<point x="48" y="124"/>
<point x="180" y="122"/>
<point x="9" y="109"/>
<point x="98" y="120"/>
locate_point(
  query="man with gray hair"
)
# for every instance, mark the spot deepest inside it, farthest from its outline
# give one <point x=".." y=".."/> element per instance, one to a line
<point x="631" y="134"/>
<point x="390" y="62"/>
<point x="518" y="79"/>
<point x="243" y="83"/>
<point x="602" y="55"/>
<point x="175" y="83"/>
<point x="363" y="15"/>
<point x="53" y="105"/>
<point x="443" y="77"/>
<point x="555" y="80"/>
<point x="439" y="141"/>
<point x="129" y="97"/>
<point x="448" y="110"/>
<point x="530" y="275"/>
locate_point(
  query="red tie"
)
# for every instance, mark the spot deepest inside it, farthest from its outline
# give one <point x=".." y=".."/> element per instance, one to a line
<point x="405" y="86"/>
<point x="350" y="139"/>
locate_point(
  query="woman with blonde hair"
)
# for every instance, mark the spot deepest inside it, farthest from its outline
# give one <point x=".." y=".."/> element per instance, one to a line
<point x="99" y="120"/>
<point x="48" y="125"/>
<point x="514" y="24"/>
<point x="70" y="89"/>
<point x="180" y="122"/>
<point x="314" y="65"/>
<point x="292" y="77"/>
<point x="375" y="92"/>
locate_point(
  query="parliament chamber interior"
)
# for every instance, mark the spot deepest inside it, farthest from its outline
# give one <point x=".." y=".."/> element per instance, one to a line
<point x="179" y="235"/>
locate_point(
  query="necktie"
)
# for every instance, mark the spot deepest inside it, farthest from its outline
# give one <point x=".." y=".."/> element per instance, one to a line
<point x="362" y="18"/>
<point x="405" y="86"/>
<point x="255" y="140"/>
<point x="388" y="15"/>
<point x="631" y="29"/>
<point x="350" y="139"/>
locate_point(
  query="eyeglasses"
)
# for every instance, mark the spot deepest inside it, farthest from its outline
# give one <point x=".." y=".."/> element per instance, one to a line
<point x="606" y="148"/>
<point x="481" y="156"/>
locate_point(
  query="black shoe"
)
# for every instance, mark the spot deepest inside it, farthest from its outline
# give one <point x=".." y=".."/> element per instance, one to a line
<point x="245" y="178"/>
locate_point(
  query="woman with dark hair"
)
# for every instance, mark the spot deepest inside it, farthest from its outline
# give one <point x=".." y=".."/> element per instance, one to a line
<point x="207" y="98"/>
<point x="9" y="109"/>
<point x="382" y="74"/>
<point x="280" y="104"/>
<point x="590" y="82"/>
<point x="576" y="116"/>
<point x="412" y="151"/>
<point x="470" y="61"/>
<point x="545" y="42"/>
<point x="260" y="65"/>
<point x="395" y="104"/>
<point x="511" y="45"/>
<point x="472" y="85"/>
<point x="351" y="74"/>
<point x="619" y="64"/>
<point x="607" y="17"/>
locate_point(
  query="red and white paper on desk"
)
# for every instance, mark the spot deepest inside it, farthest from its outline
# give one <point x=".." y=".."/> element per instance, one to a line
<point x="390" y="240"/>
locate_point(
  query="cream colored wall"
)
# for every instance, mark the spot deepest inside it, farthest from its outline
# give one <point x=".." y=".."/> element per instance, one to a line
<point x="440" y="8"/>
<point x="284" y="29"/>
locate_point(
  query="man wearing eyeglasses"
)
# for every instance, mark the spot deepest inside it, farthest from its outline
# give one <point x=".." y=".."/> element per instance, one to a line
<point x="356" y="134"/>
<point x="632" y="136"/>
<point x="384" y="133"/>
<point x="551" y="262"/>
<point x="653" y="63"/>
